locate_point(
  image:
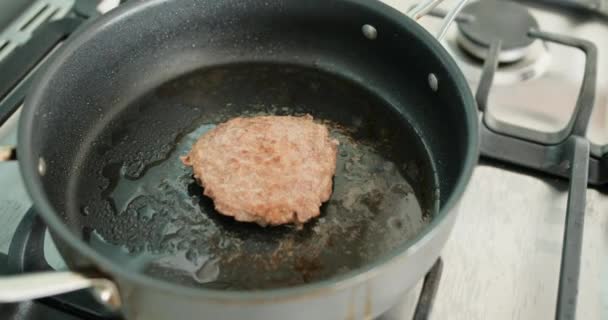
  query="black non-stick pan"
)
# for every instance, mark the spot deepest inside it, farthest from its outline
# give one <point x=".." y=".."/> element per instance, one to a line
<point x="102" y="132"/>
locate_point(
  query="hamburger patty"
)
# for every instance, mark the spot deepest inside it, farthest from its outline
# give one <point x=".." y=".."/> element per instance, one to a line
<point x="270" y="170"/>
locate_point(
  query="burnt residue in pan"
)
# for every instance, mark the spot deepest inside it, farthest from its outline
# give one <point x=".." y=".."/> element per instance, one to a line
<point x="149" y="204"/>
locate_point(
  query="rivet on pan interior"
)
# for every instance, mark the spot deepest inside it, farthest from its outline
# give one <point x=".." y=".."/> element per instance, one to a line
<point x="369" y="31"/>
<point x="433" y="82"/>
<point x="41" y="166"/>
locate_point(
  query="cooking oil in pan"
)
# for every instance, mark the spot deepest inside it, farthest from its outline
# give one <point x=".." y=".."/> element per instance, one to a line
<point x="136" y="195"/>
<point x="161" y="215"/>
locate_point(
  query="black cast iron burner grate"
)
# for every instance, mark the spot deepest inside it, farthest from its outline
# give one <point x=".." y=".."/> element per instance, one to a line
<point x="569" y="158"/>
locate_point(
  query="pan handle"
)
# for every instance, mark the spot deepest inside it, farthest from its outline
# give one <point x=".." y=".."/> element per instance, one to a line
<point x="45" y="284"/>
<point x="422" y="8"/>
<point x="425" y="7"/>
<point x="35" y="279"/>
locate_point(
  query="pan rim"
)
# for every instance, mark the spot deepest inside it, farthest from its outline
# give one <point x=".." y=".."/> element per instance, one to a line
<point x="356" y="277"/>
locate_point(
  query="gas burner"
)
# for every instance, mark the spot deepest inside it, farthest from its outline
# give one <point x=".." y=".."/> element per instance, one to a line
<point x="503" y="20"/>
<point x="521" y="57"/>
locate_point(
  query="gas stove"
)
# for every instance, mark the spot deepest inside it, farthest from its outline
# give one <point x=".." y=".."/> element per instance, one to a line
<point x="540" y="74"/>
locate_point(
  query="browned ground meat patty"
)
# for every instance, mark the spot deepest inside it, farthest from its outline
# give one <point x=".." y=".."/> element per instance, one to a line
<point x="270" y="170"/>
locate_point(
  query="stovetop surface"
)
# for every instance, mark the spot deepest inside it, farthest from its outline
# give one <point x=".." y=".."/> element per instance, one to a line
<point x="503" y="258"/>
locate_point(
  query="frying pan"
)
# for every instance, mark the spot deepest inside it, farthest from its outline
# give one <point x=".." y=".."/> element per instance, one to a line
<point x="103" y="127"/>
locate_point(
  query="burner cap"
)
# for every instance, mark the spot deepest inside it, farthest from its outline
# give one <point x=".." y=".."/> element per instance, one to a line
<point x="493" y="19"/>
